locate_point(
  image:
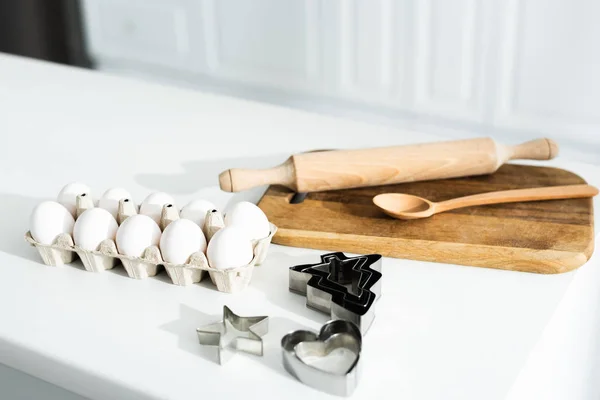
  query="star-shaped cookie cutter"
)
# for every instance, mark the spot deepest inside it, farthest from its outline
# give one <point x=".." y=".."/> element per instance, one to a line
<point x="345" y="287"/>
<point x="254" y="328"/>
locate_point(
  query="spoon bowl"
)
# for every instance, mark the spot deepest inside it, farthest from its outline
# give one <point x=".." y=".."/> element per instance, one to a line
<point x="407" y="206"/>
<point x="404" y="206"/>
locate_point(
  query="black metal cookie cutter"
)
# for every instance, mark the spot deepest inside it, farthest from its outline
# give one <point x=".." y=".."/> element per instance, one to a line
<point x="346" y="287"/>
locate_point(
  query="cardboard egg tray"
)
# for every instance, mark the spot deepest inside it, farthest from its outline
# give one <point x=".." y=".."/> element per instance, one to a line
<point x="63" y="251"/>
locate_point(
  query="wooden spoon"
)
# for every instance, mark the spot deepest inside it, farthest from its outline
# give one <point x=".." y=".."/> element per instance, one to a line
<point x="407" y="206"/>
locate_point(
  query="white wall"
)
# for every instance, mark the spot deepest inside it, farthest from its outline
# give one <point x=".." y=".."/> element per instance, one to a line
<point x="505" y="67"/>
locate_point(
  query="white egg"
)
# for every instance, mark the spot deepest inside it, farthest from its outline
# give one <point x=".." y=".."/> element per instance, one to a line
<point x="196" y="211"/>
<point x="137" y="233"/>
<point x="229" y="248"/>
<point x="250" y="218"/>
<point x="48" y="220"/>
<point x="68" y="195"/>
<point x="153" y="204"/>
<point x="110" y="200"/>
<point x="92" y="227"/>
<point x="180" y="239"/>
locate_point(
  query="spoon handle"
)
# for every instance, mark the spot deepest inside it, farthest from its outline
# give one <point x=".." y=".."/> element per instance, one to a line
<point x="519" y="195"/>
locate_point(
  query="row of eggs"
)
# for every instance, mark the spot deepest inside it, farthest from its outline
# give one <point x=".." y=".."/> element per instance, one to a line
<point x="230" y="247"/>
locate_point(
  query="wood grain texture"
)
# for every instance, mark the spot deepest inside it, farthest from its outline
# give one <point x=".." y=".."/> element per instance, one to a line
<point x="316" y="171"/>
<point x="408" y="206"/>
<point x="542" y="237"/>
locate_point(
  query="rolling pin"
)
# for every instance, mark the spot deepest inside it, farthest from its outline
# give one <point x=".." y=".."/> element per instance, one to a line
<point x="344" y="169"/>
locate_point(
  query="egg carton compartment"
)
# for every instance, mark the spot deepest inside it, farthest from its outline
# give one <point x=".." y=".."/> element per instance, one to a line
<point x="143" y="267"/>
<point x="61" y="252"/>
<point x="106" y="256"/>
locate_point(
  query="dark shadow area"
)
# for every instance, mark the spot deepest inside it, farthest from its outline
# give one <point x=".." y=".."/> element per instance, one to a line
<point x="50" y="31"/>
<point x="366" y="211"/>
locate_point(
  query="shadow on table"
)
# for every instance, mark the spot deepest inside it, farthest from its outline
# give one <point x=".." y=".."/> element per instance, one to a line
<point x="278" y="328"/>
<point x="78" y="378"/>
<point x="190" y="319"/>
<point x="185" y="329"/>
<point x="203" y="173"/>
<point x="15" y="211"/>
<point x="272" y="278"/>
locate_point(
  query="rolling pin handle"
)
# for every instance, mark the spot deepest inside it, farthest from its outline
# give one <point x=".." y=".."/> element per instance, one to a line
<point x="225" y="181"/>
<point x="538" y="149"/>
<point x="237" y="179"/>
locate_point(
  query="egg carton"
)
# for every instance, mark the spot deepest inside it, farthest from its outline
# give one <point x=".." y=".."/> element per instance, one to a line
<point x="106" y="256"/>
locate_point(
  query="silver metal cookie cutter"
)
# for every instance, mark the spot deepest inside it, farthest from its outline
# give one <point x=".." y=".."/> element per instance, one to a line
<point x="345" y="287"/>
<point x="252" y="328"/>
<point x="302" y="348"/>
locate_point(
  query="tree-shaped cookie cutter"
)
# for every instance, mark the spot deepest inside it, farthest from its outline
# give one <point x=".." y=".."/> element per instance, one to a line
<point x="345" y="287"/>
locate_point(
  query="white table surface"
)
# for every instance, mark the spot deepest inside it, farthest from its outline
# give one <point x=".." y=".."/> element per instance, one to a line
<point x="441" y="331"/>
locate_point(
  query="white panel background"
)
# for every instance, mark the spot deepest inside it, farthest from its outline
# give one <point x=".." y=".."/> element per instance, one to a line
<point x="271" y="42"/>
<point x="550" y="60"/>
<point x="503" y="67"/>
<point x="449" y="57"/>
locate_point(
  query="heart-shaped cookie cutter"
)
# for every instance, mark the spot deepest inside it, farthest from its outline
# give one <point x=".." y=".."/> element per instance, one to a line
<point x="300" y="345"/>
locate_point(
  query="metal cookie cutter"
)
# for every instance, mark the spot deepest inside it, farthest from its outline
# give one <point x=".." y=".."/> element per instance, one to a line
<point x="253" y="329"/>
<point x="347" y="288"/>
<point x="304" y="353"/>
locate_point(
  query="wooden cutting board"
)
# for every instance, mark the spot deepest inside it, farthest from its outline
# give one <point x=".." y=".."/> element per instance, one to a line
<point x="543" y="237"/>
